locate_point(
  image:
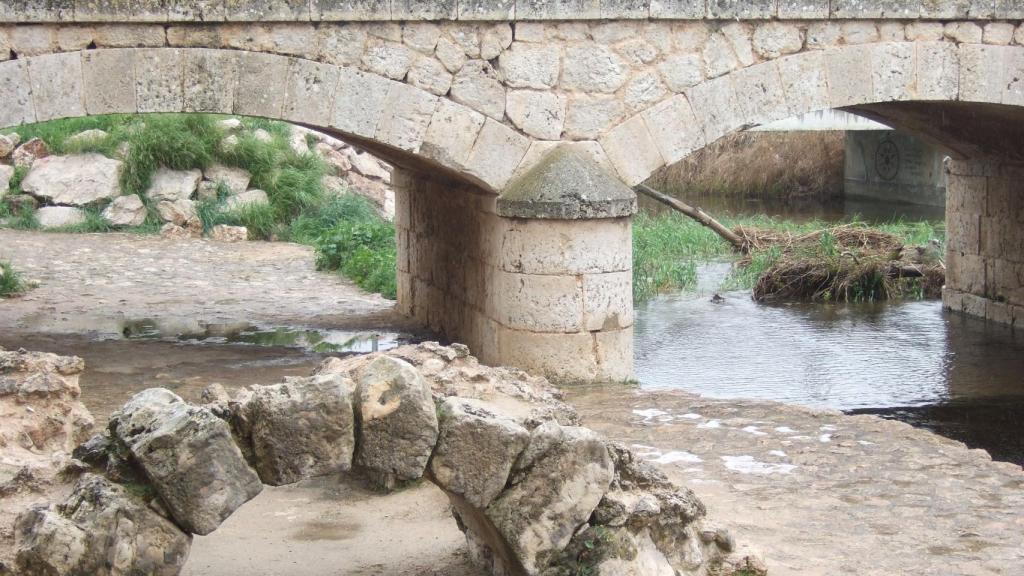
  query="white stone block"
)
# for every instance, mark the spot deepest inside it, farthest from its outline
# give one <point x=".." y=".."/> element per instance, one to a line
<point x="981" y="73"/>
<point x="538" y="114"/>
<point x="632" y="150"/>
<point x="407" y="113"/>
<point x="496" y="154"/>
<point x="760" y="97"/>
<point x="715" y="105"/>
<point x="539" y="303"/>
<point x="16" y="94"/>
<point x="452" y="131"/>
<point x="589" y="116"/>
<point x="674" y="128"/>
<point x="359" y="102"/>
<point x="311" y="87"/>
<point x="849" y="75"/>
<point x="893" y="72"/>
<point x="608" y="301"/>
<point x="938" y="70"/>
<point x="56" y="81"/>
<point x="805" y="81"/>
<point x="159" y="80"/>
<point x="531" y="65"/>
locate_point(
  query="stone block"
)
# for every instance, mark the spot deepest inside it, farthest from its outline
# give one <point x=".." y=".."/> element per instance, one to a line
<point x="478" y="86"/>
<point x="109" y="80"/>
<point x="129" y="36"/>
<point x="822" y="35"/>
<point x="714" y="103"/>
<point x="625" y="9"/>
<point x="452" y="131"/>
<point x="774" y="39"/>
<point x="608" y="301"/>
<point x="340" y="43"/>
<point x="556" y="485"/>
<point x="539" y="149"/>
<point x="591" y="67"/>
<point x="209" y="80"/>
<point x="589" y="116"/>
<point x="69" y="39"/>
<point x="311" y="87"/>
<point x="938" y="68"/>
<point x="678" y="9"/>
<point x="476" y="449"/>
<point x="740" y="37"/>
<point x="16" y="94"/>
<point x="719" y="57"/>
<point x="50" y="217"/>
<point x="538" y="114"/>
<point x="964" y="32"/>
<point x="412" y="10"/>
<point x="487" y="10"/>
<point x="981" y="72"/>
<point x="924" y="31"/>
<point x="530" y="65"/>
<point x="999" y="312"/>
<point x="893" y="72"/>
<point x="195" y="10"/>
<point x="261" y="90"/>
<point x="407" y="114"/>
<point x="803" y="9"/>
<point x="859" y="32"/>
<point x="804" y="80"/>
<point x="975" y="305"/>
<point x="266" y="10"/>
<point x="632" y="150"/>
<point x="558" y="9"/>
<point x="158" y="80"/>
<point x="869" y="9"/>
<point x="397" y="420"/>
<point x="56" y="81"/>
<point x="965" y="233"/>
<point x="537" y="303"/>
<point x="31" y="40"/>
<point x="681" y="71"/>
<point x="1013" y="75"/>
<point x="57" y="11"/>
<point x="496" y="154"/>
<point x="303" y="428"/>
<point x="120" y="10"/>
<point x="390" y="59"/>
<point x="849" y="75"/>
<point x="674" y="128"/>
<point x="741" y="9"/>
<point x="547" y="247"/>
<point x="426" y="73"/>
<point x="189" y="456"/>
<point x="999" y="33"/>
<point x="760" y="97"/>
<point x="350" y="10"/>
<point x="359" y="102"/>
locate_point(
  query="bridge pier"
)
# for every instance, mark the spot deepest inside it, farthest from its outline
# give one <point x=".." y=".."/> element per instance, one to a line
<point x="985" y="240"/>
<point x="539" y="278"/>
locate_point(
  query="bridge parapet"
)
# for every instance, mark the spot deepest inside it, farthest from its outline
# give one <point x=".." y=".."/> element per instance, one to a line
<point x="62" y="11"/>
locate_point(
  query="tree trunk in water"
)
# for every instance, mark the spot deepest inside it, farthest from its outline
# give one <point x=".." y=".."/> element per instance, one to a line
<point x="695" y="213"/>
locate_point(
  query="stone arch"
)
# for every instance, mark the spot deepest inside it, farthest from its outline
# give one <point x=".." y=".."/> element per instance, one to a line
<point x="400" y="122"/>
<point x="868" y="79"/>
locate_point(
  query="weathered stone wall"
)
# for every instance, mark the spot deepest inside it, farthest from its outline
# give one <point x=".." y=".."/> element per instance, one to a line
<point x="551" y="295"/>
<point x="985" y="246"/>
<point x="893" y="166"/>
<point x="316" y="10"/>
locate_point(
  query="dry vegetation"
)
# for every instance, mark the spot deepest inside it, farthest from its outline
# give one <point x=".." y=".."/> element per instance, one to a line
<point x="754" y="164"/>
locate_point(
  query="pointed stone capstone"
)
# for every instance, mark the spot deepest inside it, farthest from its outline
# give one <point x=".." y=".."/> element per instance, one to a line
<point x="567" y="185"/>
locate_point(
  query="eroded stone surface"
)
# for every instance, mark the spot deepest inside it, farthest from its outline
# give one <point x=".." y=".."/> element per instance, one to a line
<point x="75" y="180"/>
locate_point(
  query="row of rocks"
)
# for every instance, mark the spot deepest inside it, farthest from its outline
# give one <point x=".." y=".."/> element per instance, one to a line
<point x="533" y="492"/>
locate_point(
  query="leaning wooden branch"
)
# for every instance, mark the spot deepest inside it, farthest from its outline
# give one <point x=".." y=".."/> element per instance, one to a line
<point x="695" y="213"/>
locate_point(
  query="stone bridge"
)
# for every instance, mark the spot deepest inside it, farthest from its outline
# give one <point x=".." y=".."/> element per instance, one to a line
<point x="509" y="240"/>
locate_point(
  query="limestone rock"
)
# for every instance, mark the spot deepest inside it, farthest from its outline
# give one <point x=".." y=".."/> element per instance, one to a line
<point x="531" y="66"/>
<point x="229" y="125"/>
<point x="428" y="74"/>
<point x="558" y="482"/>
<point x="225" y="233"/>
<point x="397" y="419"/>
<point x="368" y="166"/>
<point x="593" y="68"/>
<point x="303" y="428"/>
<point x="125" y="211"/>
<point x="297" y="142"/>
<point x="6" y="173"/>
<point x="6" y="146"/>
<point x="101" y="529"/>
<point x="206" y="191"/>
<point x="86" y="137"/>
<point x="189" y="456"/>
<point x="773" y="39"/>
<point x="172" y="185"/>
<point x="334" y="185"/>
<point x="477" y="86"/>
<point x="172" y="231"/>
<point x="381" y="195"/>
<point x="26" y="154"/>
<point x="178" y="212"/>
<point x="59" y="216"/>
<point x="338" y="162"/>
<point x="75" y="180"/>
<point x="476" y="449"/>
<point x="236" y="179"/>
<point x="262" y="135"/>
<point x="247" y="198"/>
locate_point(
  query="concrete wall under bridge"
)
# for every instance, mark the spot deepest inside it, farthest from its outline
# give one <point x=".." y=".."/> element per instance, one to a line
<point x="517" y="127"/>
<point x="893" y="167"/>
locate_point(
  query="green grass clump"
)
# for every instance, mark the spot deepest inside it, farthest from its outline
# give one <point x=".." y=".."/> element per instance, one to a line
<point x="666" y="251"/>
<point x="364" y="251"/>
<point x="11" y="282"/>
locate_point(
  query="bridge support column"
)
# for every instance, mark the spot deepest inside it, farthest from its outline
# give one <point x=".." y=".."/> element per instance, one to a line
<point x="985" y="240"/>
<point x="539" y="278"/>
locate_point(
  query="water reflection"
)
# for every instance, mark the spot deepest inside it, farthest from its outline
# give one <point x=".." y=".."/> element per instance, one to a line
<point x="907" y="360"/>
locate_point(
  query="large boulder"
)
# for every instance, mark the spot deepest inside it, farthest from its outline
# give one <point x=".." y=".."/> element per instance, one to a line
<point x="6" y="146"/>
<point x="236" y="179"/>
<point x="178" y="212"/>
<point x="226" y="233"/>
<point x="102" y="530"/>
<point x="189" y="456"/>
<point x="556" y="485"/>
<point x="303" y="428"/>
<point x="75" y="180"/>
<point x="59" y="216"/>
<point x="26" y="154"/>
<point x="475" y="451"/>
<point x="368" y="166"/>
<point x="252" y="197"/>
<point x="173" y="185"/>
<point x="125" y="211"/>
<point x="87" y="138"/>
<point x="397" y="420"/>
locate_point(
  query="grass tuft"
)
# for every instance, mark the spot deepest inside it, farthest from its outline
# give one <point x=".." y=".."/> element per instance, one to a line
<point x="11" y="282"/>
